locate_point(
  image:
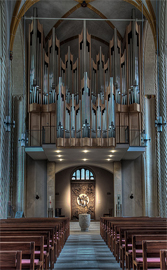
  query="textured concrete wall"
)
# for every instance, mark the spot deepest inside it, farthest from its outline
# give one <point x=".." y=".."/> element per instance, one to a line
<point x="104" y="185"/>
<point x="131" y="181"/>
<point x="150" y="62"/>
<point x="18" y="61"/>
<point x="36" y="184"/>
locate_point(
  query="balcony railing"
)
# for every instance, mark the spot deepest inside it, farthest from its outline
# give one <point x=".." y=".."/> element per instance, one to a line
<point x="48" y="135"/>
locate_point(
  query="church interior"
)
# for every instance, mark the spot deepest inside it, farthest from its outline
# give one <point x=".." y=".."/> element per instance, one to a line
<point x="83" y="116"/>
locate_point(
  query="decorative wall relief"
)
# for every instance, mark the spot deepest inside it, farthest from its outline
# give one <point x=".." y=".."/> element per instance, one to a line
<point x="82" y="199"/>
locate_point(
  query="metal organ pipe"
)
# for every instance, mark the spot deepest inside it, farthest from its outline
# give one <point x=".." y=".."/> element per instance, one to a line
<point x="93" y="106"/>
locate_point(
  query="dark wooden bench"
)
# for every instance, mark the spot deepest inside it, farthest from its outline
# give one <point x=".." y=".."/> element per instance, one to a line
<point x="10" y="260"/>
<point x="163" y="259"/>
<point x="16" y="227"/>
<point x="125" y="242"/>
<point x="28" y="253"/>
<point x="136" y="249"/>
<point x="39" y="246"/>
<point x="151" y="255"/>
<point x="45" y="234"/>
<point x="119" y="232"/>
<point x="60" y="225"/>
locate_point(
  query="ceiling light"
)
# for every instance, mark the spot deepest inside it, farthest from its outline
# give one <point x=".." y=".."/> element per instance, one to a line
<point x="59" y="155"/>
<point x="84" y="159"/>
<point x="85" y="151"/>
<point x="110" y="155"/>
<point x="60" y="159"/>
<point x="57" y="151"/>
<point x="112" y="151"/>
<point x="108" y="159"/>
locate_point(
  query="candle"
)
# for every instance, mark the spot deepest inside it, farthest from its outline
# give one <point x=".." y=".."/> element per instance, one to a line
<point x="50" y="202"/>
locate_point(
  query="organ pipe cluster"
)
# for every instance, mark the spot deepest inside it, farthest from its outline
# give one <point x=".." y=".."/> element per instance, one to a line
<point x="85" y="92"/>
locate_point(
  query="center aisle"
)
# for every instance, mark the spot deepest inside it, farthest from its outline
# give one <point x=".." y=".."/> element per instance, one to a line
<point x="86" y="250"/>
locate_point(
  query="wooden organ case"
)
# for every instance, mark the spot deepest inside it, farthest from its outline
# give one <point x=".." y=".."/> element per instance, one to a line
<point x="88" y="102"/>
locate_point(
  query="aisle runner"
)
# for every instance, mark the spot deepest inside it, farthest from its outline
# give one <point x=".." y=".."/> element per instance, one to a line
<point x="86" y="251"/>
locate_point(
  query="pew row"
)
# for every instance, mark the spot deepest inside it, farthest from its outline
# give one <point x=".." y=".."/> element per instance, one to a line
<point x="11" y="260"/>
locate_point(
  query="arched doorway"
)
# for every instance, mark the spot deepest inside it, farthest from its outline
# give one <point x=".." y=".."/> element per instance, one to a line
<point x="82" y="192"/>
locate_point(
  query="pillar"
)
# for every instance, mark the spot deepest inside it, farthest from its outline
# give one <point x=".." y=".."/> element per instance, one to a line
<point x="51" y="170"/>
<point x="117" y="185"/>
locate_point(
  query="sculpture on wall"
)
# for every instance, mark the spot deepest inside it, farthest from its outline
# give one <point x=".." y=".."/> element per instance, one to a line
<point x="83" y="200"/>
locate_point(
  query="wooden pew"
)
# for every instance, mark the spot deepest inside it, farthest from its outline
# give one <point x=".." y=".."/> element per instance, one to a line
<point x="119" y="232"/>
<point x="61" y="227"/>
<point x="10" y="260"/>
<point x="163" y="259"/>
<point x="105" y="223"/>
<point x="39" y="246"/>
<point x="45" y="234"/>
<point x="137" y="238"/>
<point x="125" y="244"/>
<point x="106" y="226"/>
<point x="151" y="255"/>
<point x="28" y="250"/>
<point x="28" y="227"/>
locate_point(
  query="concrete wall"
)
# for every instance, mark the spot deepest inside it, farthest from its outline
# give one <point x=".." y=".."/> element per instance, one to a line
<point x="104" y="185"/>
<point x="131" y="181"/>
<point x="36" y="183"/>
<point x="104" y="196"/>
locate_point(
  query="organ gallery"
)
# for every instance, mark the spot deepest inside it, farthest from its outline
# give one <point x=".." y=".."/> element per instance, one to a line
<point x="83" y="101"/>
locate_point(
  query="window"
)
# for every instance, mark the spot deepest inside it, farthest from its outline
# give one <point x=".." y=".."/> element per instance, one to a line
<point x="82" y="174"/>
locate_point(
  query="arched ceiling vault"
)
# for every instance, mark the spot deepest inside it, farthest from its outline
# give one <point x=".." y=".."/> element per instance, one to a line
<point x="20" y="9"/>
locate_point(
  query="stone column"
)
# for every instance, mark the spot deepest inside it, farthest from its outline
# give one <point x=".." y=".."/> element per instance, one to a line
<point x="117" y="184"/>
<point x="150" y="176"/>
<point x="163" y="107"/>
<point x="51" y="170"/>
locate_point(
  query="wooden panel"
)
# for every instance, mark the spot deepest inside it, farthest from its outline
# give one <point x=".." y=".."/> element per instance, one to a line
<point x="53" y="127"/>
<point x="45" y="124"/>
<point x="134" y="107"/>
<point x="34" y="107"/>
<point x="77" y="189"/>
<point x="124" y="123"/>
<point x="34" y="129"/>
<point x="134" y="129"/>
<point x="117" y="127"/>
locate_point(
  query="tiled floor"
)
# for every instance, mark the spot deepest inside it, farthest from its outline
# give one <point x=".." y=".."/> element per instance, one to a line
<point x="86" y="250"/>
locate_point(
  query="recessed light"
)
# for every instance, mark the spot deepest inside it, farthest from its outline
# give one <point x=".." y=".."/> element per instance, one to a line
<point x="60" y="159"/>
<point x="112" y="151"/>
<point x="57" y="151"/>
<point x="108" y="159"/>
<point x="84" y="159"/>
<point x="110" y="155"/>
<point x="59" y="155"/>
<point x="85" y="151"/>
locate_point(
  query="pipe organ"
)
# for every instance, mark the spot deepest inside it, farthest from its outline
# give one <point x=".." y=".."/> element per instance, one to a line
<point x="87" y="102"/>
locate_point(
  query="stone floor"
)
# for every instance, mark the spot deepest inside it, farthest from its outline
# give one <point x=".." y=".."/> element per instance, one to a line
<point x="86" y="250"/>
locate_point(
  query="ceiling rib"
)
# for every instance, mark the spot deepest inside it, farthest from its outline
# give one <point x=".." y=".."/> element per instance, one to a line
<point x="60" y="21"/>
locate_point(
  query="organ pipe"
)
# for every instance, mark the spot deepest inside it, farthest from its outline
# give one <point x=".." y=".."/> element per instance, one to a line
<point x="84" y="91"/>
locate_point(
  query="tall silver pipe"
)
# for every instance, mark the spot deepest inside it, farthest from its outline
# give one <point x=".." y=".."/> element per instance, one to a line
<point x="53" y="55"/>
<point x="115" y="57"/>
<point x="84" y="46"/>
<point x="134" y="47"/>
<point x="34" y="44"/>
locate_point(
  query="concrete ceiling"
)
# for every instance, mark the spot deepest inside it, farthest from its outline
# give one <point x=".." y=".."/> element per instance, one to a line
<point x="116" y="9"/>
<point x="77" y="155"/>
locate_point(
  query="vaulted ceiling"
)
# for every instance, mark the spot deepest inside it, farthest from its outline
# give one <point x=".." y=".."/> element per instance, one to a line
<point x="101" y="30"/>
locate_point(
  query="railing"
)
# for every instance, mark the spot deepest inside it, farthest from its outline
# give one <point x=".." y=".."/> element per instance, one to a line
<point x="49" y="135"/>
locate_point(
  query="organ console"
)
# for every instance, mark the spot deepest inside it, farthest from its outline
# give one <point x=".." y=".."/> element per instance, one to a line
<point x="89" y="102"/>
